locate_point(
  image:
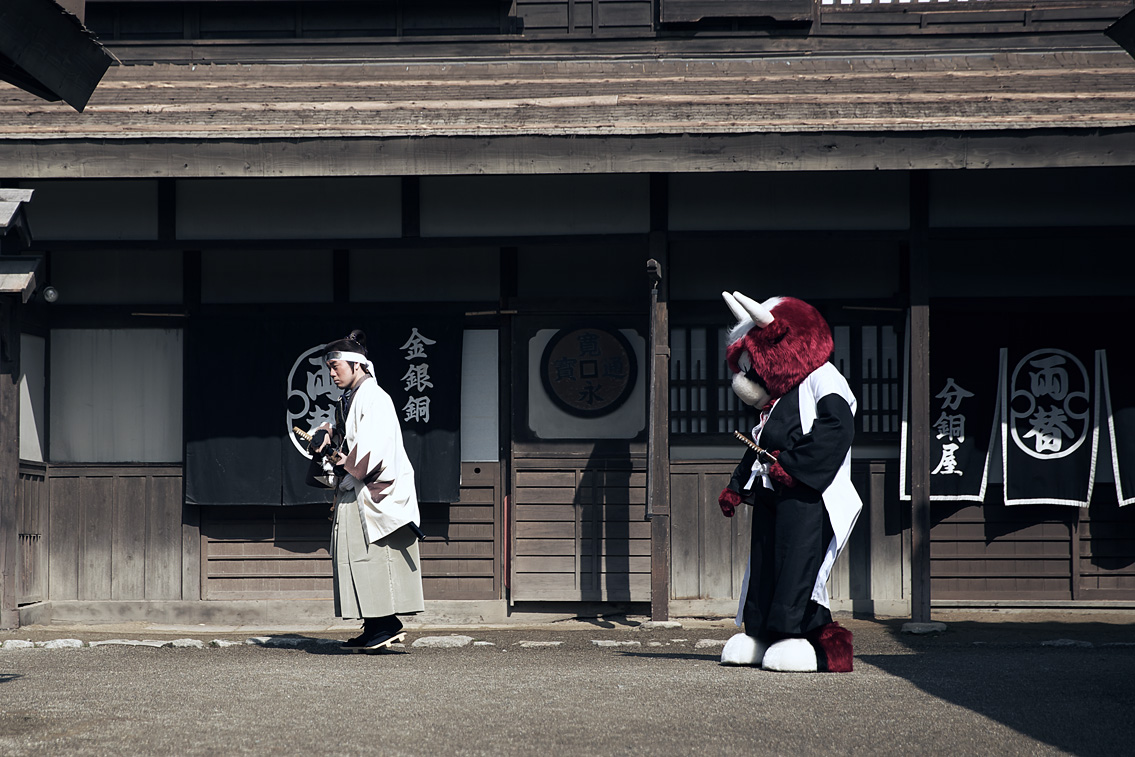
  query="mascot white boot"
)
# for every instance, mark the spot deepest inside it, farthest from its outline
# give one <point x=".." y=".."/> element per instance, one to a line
<point x="796" y="475"/>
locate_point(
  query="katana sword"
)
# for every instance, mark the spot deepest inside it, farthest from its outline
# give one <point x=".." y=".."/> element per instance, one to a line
<point x="762" y="454"/>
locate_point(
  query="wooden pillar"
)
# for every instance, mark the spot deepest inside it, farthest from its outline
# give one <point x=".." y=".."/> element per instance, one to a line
<point x="9" y="458"/>
<point x="919" y="265"/>
<point x="658" y="435"/>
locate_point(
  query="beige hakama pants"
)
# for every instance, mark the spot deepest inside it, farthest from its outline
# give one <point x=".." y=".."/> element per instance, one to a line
<point x="373" y="580"/>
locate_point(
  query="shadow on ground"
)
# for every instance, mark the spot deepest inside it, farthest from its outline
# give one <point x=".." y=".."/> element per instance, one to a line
<point x="1064" y="683"/>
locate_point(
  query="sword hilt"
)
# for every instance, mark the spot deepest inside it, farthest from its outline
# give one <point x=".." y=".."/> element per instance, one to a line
<point x="762" y="454"/>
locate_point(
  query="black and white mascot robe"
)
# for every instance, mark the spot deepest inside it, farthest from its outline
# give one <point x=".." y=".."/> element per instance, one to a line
<point x="804" y="505"/>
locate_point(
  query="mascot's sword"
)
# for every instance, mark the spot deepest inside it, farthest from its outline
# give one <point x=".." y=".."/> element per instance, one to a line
<point x="421" y="536"/>
<point x="762" y="454"/>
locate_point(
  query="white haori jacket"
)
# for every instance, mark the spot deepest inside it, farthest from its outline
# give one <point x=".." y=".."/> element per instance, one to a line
<point x="379" y="472"/>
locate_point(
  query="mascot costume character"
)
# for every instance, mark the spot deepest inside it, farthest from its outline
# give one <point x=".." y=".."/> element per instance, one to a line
<point x="796" y="475"/>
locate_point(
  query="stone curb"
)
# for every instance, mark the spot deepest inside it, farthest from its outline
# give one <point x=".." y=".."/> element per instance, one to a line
<point x="451" y="641"/>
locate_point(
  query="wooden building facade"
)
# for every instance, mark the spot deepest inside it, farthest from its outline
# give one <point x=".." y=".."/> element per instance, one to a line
<point x="515" y="166"/>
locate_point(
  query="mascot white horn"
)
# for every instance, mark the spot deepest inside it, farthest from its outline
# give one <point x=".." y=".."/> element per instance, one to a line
<point x="796" y="475"/>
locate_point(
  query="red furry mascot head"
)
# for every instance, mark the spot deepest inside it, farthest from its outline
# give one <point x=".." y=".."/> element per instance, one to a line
<point x="774" y="346"/>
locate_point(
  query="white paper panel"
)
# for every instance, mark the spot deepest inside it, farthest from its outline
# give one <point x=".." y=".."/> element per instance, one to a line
<point x="32" y="425"/>
<point x="479" y="397"/>
<point x="116" y="395"/>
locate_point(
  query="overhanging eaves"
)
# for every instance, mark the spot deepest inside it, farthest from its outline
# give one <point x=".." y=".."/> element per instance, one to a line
<point x="11" y="201"/>
<point x="17" y="275"/>
<point x="46" y="51"/>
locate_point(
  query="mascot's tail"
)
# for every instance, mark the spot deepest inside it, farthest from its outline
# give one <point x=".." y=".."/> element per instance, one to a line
<point x="833" y="648"/>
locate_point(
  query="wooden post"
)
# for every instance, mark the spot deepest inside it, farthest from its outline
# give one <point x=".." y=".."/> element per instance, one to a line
<point x="919" y="260"/>
<point x="658" y="437"/>
<point x="9" y="458"/>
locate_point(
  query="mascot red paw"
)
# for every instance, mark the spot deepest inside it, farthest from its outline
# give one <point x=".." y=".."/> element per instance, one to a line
<point x="777" y="473"/>
<point x="729" y="500"/>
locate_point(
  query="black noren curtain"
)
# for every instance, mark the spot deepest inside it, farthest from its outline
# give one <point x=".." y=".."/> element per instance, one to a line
<point x="250" y="380"/>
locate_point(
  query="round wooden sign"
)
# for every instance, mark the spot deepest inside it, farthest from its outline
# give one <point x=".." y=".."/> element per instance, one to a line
<point x="588" y="372"/>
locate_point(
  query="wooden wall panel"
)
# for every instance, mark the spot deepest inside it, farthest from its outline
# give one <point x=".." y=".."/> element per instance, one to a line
<point x="128" y="545"/>
<point x="1106" y="548"/>
<point x="708" y="550"/>
<point x="114" y="532"/>
<point x="96" y="535"/>
<point x="685" y="544"/>
<point x="63" y="529"/>
<point x="885" y="526"/>
<point x="580" y="531"/>
<point x="164" y="550"/>
<point x="994" y="552"/>
<point x="283" y="552"/>
<point x="461" y="556"/>
<point x="31" y="523"/>
<point x="585" y="17"/>
<point x="266" y="552"/>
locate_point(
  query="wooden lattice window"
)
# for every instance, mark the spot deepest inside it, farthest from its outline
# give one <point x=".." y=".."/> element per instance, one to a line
<point x="701" y="399"/>
<point x="869" y="356"/>
<point x="703" y="407"/>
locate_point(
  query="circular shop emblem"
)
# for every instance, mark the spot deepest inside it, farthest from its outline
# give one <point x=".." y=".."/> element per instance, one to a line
<point x="311" y="395"/>
<point x="1048" y="406"/>
<point x="588" y="372"/>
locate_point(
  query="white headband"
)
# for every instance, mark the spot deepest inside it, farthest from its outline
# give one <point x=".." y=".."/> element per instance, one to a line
<point x="350" y="357"/>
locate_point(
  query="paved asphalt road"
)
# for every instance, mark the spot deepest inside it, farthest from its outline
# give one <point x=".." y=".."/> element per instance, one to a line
<point x="979" y="688"/>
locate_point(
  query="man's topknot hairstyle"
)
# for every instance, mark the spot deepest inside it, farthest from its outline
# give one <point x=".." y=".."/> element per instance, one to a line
<point x="356" y="341"/>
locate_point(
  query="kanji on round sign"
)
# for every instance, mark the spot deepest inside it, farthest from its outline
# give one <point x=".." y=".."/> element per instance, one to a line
<point x="588" y="372"/>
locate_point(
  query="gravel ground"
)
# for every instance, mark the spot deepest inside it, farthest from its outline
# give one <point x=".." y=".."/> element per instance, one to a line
<point x="987" y="685"/>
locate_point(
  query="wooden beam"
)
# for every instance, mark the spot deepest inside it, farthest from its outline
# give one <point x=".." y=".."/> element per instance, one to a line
<point x="9" y="459"/>
<point x="439" y="156"/>
<point x="919" y="265"/>
<point x="658" y="433"/>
